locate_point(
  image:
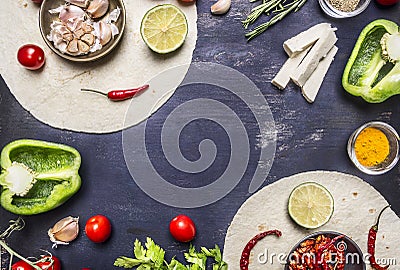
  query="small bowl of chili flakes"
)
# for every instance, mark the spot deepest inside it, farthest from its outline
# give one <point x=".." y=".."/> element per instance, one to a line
<point x="329" y="249"/>
<point x="374" y="148"/>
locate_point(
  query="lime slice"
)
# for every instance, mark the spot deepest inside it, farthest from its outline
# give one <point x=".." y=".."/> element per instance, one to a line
<point x="310" y="205"/>
<point x="164" y="28"/>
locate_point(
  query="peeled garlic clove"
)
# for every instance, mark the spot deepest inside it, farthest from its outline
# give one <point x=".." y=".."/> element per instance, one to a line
<point x="87" y="28"/>
<point x="88" y="39"/>
<point x="78" y="33"/>
<point x="68" y="36"/>
<point x="73" y="46"/>
<point x="97" y="8"/>
<point x="83" y="47"/>
<point x="71" y="12"/>
<point x="79" y="3"/>
<point x="103" y="32"/>
<point x="221" y="7"/>
<point x="64" y="231"/>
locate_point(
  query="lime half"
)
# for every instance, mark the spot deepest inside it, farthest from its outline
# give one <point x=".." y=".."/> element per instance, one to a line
<point x="310" y="205"/>
<point x="164" y="28"/>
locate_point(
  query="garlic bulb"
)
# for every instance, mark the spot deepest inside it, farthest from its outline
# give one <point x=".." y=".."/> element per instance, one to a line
<point x="97" y="8"/>
<point x="64" y="231"/>
<point x="221" y="7"/>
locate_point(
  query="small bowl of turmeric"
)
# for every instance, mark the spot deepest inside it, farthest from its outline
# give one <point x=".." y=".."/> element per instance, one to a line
<point x="374" y="148"/>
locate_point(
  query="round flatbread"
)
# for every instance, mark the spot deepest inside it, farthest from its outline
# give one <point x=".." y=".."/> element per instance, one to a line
<point x="53" y="95"/>
<point x="356" y="208"/>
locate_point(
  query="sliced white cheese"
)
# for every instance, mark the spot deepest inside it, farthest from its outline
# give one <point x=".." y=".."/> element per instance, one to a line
<point x="299" y="43"/>
<point x="282" y="78"/>
<point x="313" y="84"/>
<point x="311" y="61"/>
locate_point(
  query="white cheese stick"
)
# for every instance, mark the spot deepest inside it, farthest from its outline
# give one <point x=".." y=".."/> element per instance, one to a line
<point x="299" y="43"/>
<point x="311" y="61"/>
<point x="282" y="78"/>
<point x="313" y="84"/>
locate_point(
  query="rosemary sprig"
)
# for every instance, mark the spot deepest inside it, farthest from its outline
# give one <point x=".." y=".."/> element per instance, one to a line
<point x="277" y="7"/>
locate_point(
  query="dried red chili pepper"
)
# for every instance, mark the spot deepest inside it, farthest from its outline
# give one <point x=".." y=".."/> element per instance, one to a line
<point x="119" y="95"/>
<point x="371" y="243"/>
<point x="244" y="259"/>
<point x="320" y="261"/>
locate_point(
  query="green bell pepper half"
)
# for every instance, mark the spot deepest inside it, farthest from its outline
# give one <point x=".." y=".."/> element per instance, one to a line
<point x="367" y="74"/>
<point x="53" y="169"/>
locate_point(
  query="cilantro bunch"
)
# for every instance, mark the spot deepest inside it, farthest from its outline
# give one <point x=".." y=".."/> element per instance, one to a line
<point x="151" y="257"/>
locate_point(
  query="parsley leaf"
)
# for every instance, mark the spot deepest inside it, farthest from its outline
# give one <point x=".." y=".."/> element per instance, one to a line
<point x="151" y="257"/>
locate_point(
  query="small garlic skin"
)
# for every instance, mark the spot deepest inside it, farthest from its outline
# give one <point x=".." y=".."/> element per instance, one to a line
<point x="64" y="231"/>
<point x="97" y="8"/>
<point x="221" y="7"/>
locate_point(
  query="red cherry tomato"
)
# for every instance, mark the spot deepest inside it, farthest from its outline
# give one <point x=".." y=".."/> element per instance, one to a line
<point x="98" y="228"/>
<point x="182" y="228"/>
<point x="21" y="265"/>
<point x="47" y="263"/>
<point x="387" y="2"/>
<point x="37" y="1"/>
<point x="31" y="56"/>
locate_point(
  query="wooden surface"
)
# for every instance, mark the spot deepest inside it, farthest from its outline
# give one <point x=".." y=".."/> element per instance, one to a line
<point x="310" y="137"/>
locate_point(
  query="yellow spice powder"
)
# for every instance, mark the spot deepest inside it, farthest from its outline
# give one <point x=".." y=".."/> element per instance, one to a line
<point x="371" y="147"/>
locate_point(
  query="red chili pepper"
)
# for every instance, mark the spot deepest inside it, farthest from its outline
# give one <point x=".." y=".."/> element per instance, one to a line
<point x="244" y="259"/>
<point x="119" y="95"/>
<point x="371" y="243"/>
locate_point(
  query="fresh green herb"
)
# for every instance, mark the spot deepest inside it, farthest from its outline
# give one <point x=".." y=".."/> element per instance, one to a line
<point x="278" y="8"/>
<point x="151" y="257"/>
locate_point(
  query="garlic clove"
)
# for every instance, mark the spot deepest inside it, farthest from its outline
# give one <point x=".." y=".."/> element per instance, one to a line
<point x="83" y="47"/>
<point x="64" y="231"/>
<point x="73" y="46"/>
<point x="88" y="39"/>
<point x="68" y="36"/>
<point x="221" y="7"/>
<point x="87" y="28"/>
<point x="79" y="3"/>
<point x="103" y="32"/>
<point x="97" y="8"/>
<point x="79" y="33"/>
<point x="71" y="12"/>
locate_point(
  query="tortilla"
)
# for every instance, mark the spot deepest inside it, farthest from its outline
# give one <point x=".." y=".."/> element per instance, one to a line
<point x="53" y="95"/>
<point x="356" y="208"/>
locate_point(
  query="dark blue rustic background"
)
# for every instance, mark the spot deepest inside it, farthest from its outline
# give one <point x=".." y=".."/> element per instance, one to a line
<point x="310" y="137"/>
